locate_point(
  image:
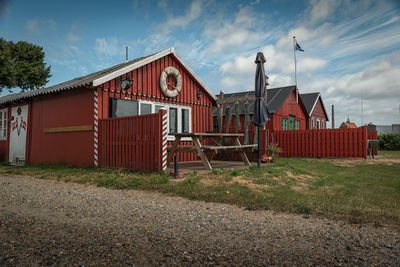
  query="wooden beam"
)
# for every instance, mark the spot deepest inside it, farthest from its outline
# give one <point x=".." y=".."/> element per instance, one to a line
<point x="80" y="128"/>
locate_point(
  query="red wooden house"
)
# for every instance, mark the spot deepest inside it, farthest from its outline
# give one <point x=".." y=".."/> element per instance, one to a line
<point x="60" y="124"/>
<point x="317" y="116"/>
<point x="286" y="113"/>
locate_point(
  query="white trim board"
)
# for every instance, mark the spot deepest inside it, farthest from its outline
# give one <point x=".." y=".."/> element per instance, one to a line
<point x="148" y="60"/>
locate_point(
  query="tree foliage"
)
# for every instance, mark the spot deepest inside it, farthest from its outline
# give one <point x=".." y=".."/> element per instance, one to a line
<point x="22" y="65"/>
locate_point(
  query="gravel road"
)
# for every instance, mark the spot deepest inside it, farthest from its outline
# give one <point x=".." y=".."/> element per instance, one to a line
<point x="55" y="223"/>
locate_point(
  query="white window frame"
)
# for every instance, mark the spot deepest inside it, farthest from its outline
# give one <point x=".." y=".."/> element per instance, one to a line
<point x="322" y="124"/>
<point x="4" y="117"/>
<point x="318" y="124"/>
<point x="312" y="123"/>
<point x="167" y="106"/>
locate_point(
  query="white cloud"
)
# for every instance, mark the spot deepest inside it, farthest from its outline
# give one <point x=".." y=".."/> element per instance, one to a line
<point x="228" y="34"/>
<point x="109" y="46"/>
<point x="322" y="9"/>
<point x="36" y="26"/>
<point x="174" y="22"/>
<point x="376" y="85"/>
<point x="72" y="35"/>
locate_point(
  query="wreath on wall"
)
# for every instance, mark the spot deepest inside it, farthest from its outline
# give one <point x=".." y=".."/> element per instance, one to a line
<point x="170" y="82"/>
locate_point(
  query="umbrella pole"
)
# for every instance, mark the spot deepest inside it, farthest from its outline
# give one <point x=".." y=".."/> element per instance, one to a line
<point x="259" y="148"/>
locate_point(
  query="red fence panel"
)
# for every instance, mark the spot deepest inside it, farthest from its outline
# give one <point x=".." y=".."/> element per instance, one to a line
<point x="131" y="142"/>
<point x="323" y="143"/>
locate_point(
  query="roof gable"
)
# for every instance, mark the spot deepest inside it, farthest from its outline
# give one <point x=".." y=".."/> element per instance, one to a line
<point x="102" y="76"/>
<point x="310" y="100"/>
<point x="275" y="99"/>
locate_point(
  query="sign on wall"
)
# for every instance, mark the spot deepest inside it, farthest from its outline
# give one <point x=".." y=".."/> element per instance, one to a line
<point x="18" y="130"/>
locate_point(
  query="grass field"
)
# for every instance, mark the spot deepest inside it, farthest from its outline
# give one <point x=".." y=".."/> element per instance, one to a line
<point x="353" y="189"/>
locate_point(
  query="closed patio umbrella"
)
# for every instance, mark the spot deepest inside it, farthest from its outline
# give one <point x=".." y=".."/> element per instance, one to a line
<point x="261" y="114"/>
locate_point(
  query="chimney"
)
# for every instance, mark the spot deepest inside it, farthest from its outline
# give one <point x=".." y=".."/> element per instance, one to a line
<point x="126" y="60"/>
<point x="333" y="116"/>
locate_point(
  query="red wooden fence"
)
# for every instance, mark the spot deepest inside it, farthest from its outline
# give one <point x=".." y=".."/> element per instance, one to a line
<point x="336" y="143"/>
<point x="133" y="143"/>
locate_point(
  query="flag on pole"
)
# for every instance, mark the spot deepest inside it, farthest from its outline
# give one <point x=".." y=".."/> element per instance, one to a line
<point x="298" y="48"/>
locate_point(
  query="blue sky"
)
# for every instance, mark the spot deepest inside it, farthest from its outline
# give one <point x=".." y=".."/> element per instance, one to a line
<point x="352" y="48"/>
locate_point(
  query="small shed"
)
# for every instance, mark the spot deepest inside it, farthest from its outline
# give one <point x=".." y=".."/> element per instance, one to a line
<point x="286" y="113"/>
<point x="317" y="116"/>
<point x="59" y="124"/>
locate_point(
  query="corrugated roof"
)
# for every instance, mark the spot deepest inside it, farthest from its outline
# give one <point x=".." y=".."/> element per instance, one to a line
<point x="74" y="83"/>
<point x="275" y="99"/>
<point x="100" y="77"/>
<point x="309" y="101"/>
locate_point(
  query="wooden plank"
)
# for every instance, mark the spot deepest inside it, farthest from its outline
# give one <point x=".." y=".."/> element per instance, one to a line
<point x="172" y="152"/>
<point x="230" y="148"/>
<point x="242" y="154"/>
<point x="80" y="128"/>
<point x="201" y="153"/>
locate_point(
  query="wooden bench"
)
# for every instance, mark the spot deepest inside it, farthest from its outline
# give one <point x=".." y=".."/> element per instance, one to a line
<point x="212" y="150"/>
<point x="230" y="148"/>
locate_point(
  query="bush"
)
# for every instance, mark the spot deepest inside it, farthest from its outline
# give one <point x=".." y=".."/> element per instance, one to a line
<point x="389" y="141"/>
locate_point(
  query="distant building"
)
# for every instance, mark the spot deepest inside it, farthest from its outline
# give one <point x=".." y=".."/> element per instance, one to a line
<point x="348" y="124"/>
<point x="388" y="129"/>
<point x="317" y="116"/>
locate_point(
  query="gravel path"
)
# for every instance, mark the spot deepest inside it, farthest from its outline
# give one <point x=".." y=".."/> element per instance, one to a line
<point x="54" y="223"/>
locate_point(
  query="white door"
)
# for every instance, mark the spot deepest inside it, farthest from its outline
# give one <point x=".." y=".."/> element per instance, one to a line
<point x="18" y="129"/>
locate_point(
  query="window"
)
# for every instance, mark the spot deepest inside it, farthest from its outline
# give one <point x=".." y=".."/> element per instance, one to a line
<point x="157" y="108"/>
<point x="3" y="124"/>
<point x="179" y="117"/>
<point x="297" y="125"/>
<point x="173" y="120"/>
<point x="318" y="126"/>
<point x="284" y="124"/>
<point x="322" y="124"/>
<point x="215" y="123"/>
<point x="312" y="123"/>
<point x="185" y="120"/>
<point x="123" y="108"/>
<point x="145" y="108"/>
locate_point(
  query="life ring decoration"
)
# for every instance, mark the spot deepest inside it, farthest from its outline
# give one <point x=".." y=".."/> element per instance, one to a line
<point x="168" y="88"/>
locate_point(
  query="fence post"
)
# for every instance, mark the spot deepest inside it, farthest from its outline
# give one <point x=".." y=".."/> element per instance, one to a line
<point x="163" y="137"/>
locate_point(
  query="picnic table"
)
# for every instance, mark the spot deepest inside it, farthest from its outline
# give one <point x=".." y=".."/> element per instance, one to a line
<point x="207" y="152"/>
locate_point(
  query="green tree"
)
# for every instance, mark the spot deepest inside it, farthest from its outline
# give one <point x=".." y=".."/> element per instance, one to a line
<point x="22" y="65"/>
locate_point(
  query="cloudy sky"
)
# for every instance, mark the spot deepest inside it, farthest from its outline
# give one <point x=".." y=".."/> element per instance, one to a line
<point x="352" y="48"/>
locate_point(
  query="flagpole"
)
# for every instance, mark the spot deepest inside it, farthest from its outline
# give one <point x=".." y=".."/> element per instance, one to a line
<point x="295" y="67"/>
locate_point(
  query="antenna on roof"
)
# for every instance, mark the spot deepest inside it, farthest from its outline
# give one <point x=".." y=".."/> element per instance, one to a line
<point x="126" y="59"/>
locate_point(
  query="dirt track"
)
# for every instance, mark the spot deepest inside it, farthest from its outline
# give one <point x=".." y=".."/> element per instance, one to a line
<point x="53" y="223"/>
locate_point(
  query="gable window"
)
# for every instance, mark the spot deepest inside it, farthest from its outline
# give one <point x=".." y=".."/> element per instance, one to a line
<point x="312" y="123"/>
<point x="3" y="124"/>
<point x="284" y="123"/>
<point x="318" y="126"/>
<point x="322" y="124"/>
<point x="297" y="125"/>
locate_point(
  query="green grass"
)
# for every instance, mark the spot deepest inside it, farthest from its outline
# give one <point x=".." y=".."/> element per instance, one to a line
<point x="357" y="190"/>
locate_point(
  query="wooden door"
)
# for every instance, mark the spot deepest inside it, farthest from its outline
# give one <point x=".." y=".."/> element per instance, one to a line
<point x="291" y="122"/>
<point x="18" y="130"/>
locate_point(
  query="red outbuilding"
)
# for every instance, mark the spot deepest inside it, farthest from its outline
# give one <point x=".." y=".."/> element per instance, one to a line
<point x="60" y="124"/>
<point x="316" y="114"/>
<point x="286" y="112"/>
